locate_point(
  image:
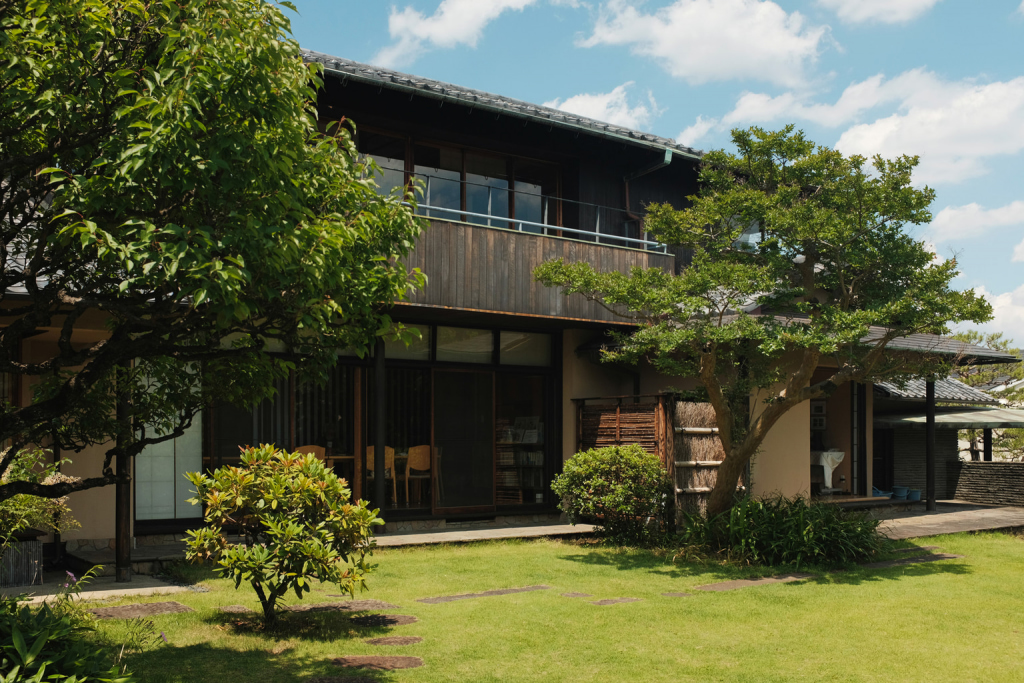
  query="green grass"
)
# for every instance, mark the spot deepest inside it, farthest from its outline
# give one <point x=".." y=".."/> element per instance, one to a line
<point x="958" y="620"/>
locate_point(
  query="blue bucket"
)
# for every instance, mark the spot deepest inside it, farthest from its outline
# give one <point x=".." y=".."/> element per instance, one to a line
<point x="900" y="492"/>
<point x="914" y="495"/>
<point x="878" y="493"/>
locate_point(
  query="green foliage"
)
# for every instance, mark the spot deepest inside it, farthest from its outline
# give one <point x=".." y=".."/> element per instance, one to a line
<point x="53" y="643"/>
<point x="624" y="490"/>
<point x="22" y="512"/>
<point x="781" y="531"/>
<point x="296" y="521"/>
<point x="164" y="167"/>
<point x="798" y="253"/>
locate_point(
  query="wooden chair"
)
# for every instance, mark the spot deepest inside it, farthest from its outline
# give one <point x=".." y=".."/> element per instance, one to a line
<point x="419" y="460"/>
<point x="319" y="451"/>
<point x="389" y="469"/>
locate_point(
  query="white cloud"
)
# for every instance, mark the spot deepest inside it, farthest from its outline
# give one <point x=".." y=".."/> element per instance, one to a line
<point x="882" y="11"/>
<point x="1007" y="313"/>
<point x="971" y="220"/>
<point x="1021" y="8"/>
<point x="954" y="126"/>
<point x="453" y="23"/>
<point x="611" y="107"/>
<point x="701" y="127"/>
<point x="1018" y="253"/>
<point x="715" y="40"/>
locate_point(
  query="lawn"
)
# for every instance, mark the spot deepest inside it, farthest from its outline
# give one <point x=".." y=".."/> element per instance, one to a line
<point x="957" y="620"/>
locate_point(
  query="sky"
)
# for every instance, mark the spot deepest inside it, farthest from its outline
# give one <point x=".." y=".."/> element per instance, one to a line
<point x="941" y="79"/>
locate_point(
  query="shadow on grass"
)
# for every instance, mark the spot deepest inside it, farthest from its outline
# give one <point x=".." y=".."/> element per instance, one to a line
<point x="205" y="662"/>
<point x="310" y="626"/>
<point x="661" y="562"/>
<point x="859" y="575"/>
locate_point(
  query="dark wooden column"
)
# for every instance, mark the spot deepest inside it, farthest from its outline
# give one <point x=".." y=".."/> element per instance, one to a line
<point x="123" y="496"/>
<point x="379" y="440"/>
<point x="929" y="445"/>
<point x="987" y="444"/>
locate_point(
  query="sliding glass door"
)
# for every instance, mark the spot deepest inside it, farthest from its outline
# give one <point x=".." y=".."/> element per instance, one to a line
<point x="464" y="439"/>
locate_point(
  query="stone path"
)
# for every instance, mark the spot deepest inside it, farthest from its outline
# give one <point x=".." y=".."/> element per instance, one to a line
<point x="614" y="601"/>
<point x="485" y="594"/>
<point x="395" y="640"/>
<point x="748" y="583"/>
<point x="379" y="663"/>
<point x="381" y="620"/>
<point x="144" y="609"/>
<point x="948" y="520"/>
<point x="100" y="588"/>
<point x="490" y="534"/>
<point x="346" y="606"/>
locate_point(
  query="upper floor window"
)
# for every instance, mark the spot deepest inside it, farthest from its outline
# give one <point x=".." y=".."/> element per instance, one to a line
<point x="389" y="154"/>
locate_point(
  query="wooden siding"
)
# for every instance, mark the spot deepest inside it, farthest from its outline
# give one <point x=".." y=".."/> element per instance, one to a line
<point x="488" y="269"/>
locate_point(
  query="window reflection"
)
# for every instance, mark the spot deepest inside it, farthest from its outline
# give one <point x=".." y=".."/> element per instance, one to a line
<point x="487" y="186"/>
<point x="440" y="170"/>
<point x="389" y="154"/>
<point x="460" y="345"/>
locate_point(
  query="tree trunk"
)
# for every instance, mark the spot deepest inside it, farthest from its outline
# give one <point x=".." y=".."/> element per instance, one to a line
<point x="723" y="495"/>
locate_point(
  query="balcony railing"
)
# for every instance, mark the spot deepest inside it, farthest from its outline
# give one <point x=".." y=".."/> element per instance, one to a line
<point x="579" y="220"/>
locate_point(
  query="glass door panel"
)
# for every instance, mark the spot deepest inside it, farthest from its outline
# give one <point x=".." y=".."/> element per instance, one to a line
<point x="464" y="439"/>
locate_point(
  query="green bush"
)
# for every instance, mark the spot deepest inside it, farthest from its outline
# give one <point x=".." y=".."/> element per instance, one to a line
<point x="783" y="531"/>
<point x="21" y="512"/>
<point x="54" y="643"/>
<point x="296" y="524"/>
<point x="624" y="490"/>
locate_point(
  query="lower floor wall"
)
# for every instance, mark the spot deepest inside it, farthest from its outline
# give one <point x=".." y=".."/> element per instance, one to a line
<point x="909" y="467"/>
<point x="991" y="483"/>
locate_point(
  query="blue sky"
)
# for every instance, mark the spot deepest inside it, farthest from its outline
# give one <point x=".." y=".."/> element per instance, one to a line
<point x="943" y="79"/>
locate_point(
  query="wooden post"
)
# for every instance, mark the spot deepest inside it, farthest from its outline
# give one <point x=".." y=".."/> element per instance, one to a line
<point x="379" y="440"/>
<point x="987" y="444"/>
<point x="357" y="438"/>
<point x="929" y="445"/>
<point x="122" y="494"/>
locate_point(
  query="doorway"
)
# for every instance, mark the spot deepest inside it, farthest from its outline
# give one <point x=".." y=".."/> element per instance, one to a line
<point x="464" y="440"/>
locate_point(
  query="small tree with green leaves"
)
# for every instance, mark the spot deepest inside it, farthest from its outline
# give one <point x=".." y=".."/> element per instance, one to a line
<point x="800" y="261"/>
<point x="25" y="511"/>
<point x="296" y="521"/>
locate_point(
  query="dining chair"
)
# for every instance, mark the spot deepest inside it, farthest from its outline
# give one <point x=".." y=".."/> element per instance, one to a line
<point x="389" y="469"/>
<point x="419" y="460"/>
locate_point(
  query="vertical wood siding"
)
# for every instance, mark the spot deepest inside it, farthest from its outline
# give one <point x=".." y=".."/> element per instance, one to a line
<point x="486" y="269"/>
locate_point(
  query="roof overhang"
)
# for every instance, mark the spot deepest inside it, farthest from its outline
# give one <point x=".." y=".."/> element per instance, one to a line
<point x="957" y="418"/>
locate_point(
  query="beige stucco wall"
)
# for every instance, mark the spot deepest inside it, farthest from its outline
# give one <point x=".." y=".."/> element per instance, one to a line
<point x="94" y="509"/>
<point x="582" y="378"/>
<point x="782" y="465"/>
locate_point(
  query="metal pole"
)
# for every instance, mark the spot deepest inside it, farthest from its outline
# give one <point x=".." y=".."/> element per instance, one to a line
<point x="987" y="444"/>
<point x="929" y="445"/>
<point x="379" y="440"/>
<point x="122" y="495"/>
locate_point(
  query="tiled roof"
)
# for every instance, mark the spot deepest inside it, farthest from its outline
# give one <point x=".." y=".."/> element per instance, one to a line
<point x="346" y="68"/>
<point x="946" y="391"/>
<point x="970" y="354"/>
<point x="958" y="418"/>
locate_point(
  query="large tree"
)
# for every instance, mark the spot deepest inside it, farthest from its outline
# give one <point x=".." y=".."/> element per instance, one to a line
<point x="169" y="208"/>
<point x="800" y="262"/>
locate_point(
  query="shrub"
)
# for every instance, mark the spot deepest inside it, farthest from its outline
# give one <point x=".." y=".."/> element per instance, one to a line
<point x="623" y="490"/>
<point x="782" y="531"/>
<point x="21" y="512"/>
<point x="296" y="524"/>
<point x="54" y="643"/>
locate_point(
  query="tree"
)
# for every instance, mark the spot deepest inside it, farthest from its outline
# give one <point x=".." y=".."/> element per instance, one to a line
<point x="169" y="207"/>
<point x="296" y="522"/>
<point x="1009" y="442"/>
<point x="799" y="262"/>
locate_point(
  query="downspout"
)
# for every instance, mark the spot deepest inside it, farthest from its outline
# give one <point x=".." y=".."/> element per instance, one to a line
<point x="666" y="160"/>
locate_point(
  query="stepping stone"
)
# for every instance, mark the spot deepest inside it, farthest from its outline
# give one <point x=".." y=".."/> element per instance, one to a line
<point x="917" y="549"/>
<point x="383" y="620"/>
<point x="343" y="679"/>
<point x="614" y="601"/>
<point x="347" y="606"/>
<point x="910" y="560"/>
<point x="485" y="594"/>
<point x="395" y="640"/>
<point x="748" y="583"/>
<point x="577" y="595"/>
<point x="676" y="595"/>
<point x="235" y="609"/>
<point x="379" y="663"/>
<point x="146" y="609"/>
<point x="362" y="605"/>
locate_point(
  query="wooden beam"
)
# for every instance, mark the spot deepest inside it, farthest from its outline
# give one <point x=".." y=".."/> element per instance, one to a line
<point x="123" y="495"/>
<point x="986" y="437"/>
<point x="697" y="430"/>
<point x="929" y="445"/>
<point x="379" y="440"/>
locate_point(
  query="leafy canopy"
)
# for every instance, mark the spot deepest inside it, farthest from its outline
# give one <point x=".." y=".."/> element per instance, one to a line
<point x="169" y="206"/>
<point x="799" y="258"/>
<point x="296" y="521"/>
